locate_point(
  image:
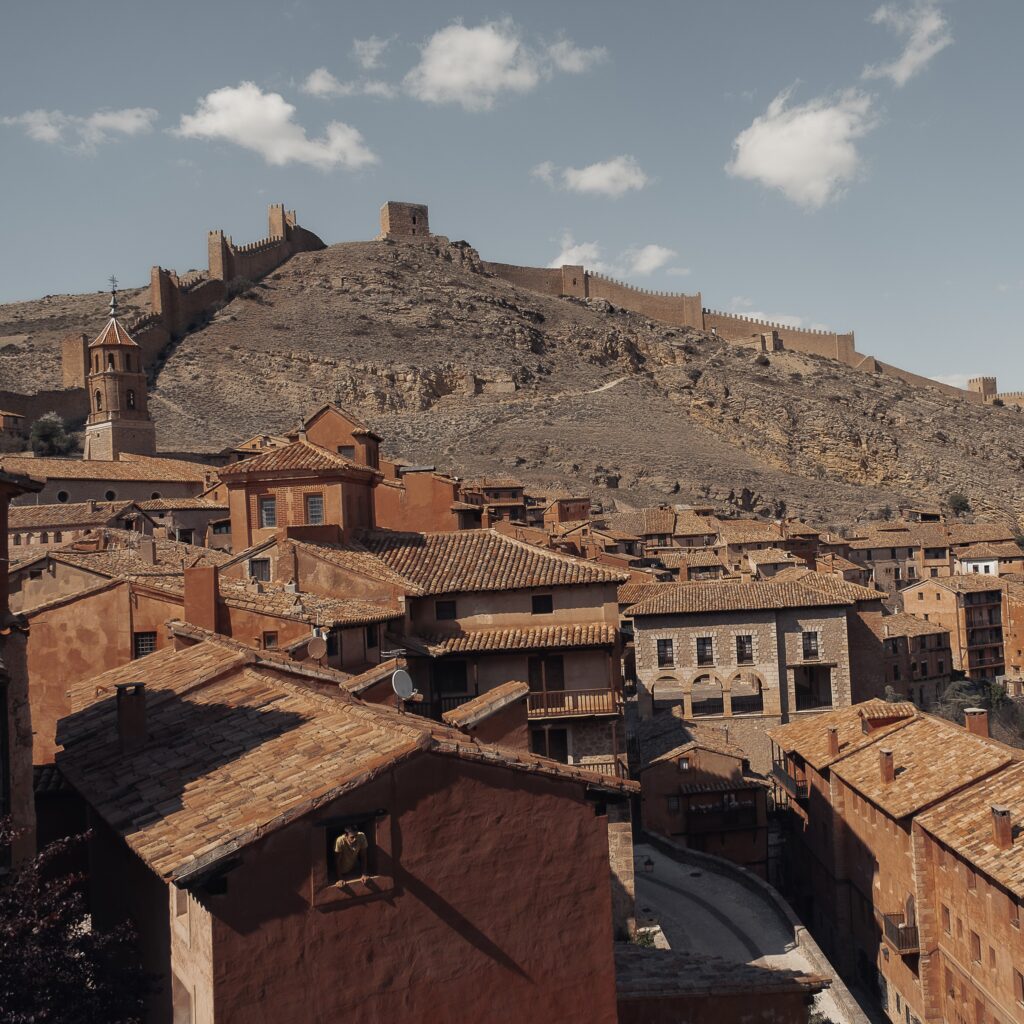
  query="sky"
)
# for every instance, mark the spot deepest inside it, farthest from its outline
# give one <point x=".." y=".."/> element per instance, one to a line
<point x="826" y="163"/>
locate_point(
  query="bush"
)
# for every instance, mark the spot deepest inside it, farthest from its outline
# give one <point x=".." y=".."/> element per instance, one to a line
<point x="999" y="402"/>
<point x="762" y="360"/>
<point x="50" y="437"/>
<point x="959" y="503"/>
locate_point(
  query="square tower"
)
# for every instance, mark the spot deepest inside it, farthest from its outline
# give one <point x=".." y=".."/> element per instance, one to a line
<point x="404" y="220"/>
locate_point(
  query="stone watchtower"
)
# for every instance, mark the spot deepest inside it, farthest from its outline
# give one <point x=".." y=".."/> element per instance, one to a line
<point x="404" y="220"/>
<point x="118" y="414"/>
<point x="984" y="386"/>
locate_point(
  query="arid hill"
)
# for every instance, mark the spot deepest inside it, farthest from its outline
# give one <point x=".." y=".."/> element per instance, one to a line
<point x="459" y="369"/>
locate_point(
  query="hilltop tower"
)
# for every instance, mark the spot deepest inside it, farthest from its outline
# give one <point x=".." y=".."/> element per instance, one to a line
<point x="404" y="220"/>
<point x="118" y="414"/>
<point x="984" y="386"/>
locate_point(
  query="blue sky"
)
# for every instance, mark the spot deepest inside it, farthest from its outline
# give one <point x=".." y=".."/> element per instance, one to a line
<point x="844" y="164"/>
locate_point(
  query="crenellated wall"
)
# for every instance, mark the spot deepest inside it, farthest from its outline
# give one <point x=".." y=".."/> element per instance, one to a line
<point x="734" y="327"/>
<point x="545" y="280"/>
<point x="671" y="307"/>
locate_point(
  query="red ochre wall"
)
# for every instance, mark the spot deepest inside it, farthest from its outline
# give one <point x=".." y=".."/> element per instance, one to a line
<point x="501" y="910"/>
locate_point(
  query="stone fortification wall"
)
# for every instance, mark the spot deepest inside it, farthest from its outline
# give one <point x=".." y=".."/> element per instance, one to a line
<point x="536" y="279"/>
<point x="71" y="403"/>
<point x="671" y="307"/>
<point x="734" y="327"/>
<point x="919" y="381"/>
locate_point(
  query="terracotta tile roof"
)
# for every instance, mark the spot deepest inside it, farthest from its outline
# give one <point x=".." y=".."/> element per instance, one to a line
<point x="799" y="530"/>
<point x="315" y="609"/>
<point x="808" y="736"/>
<point x="355" y="558"/>
<point x="747" y="531"/>
<point x="474" y="711"/>
<point x="118" y="560"/>
<point x="691" y="559"/>
<point x="645" y="522"/>
<point x="235" y="751"/>
<point x="364" y="680"/>
<point x="964" y="824"/>
<point x="113" y="334"/>
<point x="181" y="504"/>
<point x="634" y="593"/>
<point x="902" y="624"/>
<point x="480" y="560"/>
<point x="83" y="513"/>
<point x="963" y="583"/>
<point x="831" y="562"/>
<point x="667" y="974"/>
<point x="300" y="456"/>
<point x="689" y="524"/>
<point x="985" y="549"/>
<point x="136" y="467"/>
<point x="596" y="634"/>
<point x="725" y="596"/>
<point x="492" y="483"/>
<point x="717" y="746"/>
<point x="772" y="556"/>
<point x="828" y="583"/>
<point x="933" y="758"/>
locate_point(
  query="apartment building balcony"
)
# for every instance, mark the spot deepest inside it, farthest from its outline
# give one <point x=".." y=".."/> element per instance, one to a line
<point x="903" y="938"/>
<point x="797" y="789"/>
<point x="573" y="703"/>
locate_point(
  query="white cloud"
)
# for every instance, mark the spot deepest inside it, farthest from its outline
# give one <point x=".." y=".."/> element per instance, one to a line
<point x="569" y="57"/>
<point x="323" y="84"/>
<point x="368" y="52"/>
<point x="636" y="261"/>
<point x="84" y="133"/>
<point x="646" y="259"/>
<point x="805" y="151"/>
<point x="954" y="380"/>
<point x="611" y="178"/>
<point x="744" y="307"/>
<point x="263" y="122"/>
<point x="473" y="66"/>
<point x="926" y="32"/>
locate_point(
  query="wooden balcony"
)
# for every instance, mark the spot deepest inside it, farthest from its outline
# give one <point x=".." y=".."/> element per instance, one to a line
<point x="573" y="703"/>
<point x="796" y="789"/>
<point x="614" y="766"/>
<point x="901" y="937"/>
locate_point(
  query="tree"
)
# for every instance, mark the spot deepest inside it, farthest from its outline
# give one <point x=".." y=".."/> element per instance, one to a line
<point x="959" y="503"/>
<point x="54" y="966"/>
<point x="49" y="436"/>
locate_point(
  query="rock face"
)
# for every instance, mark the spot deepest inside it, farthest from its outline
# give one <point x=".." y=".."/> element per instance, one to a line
<point x="458" y="368"/>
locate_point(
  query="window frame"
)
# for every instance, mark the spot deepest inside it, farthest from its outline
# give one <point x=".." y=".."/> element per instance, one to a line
<point x="705" y="655"/>
<point x="665" y="652"/>
<point x="542" y="604"/>
<point x="448" y="605"/>
<point x="258" y="574"/>
<point x="316" y="496"/>
<point x="141" y="638"/>
<point x="263" y="503"/>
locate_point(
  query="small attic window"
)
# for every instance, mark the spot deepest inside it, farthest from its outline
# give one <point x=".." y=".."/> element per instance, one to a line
<point x="684" y="764"/>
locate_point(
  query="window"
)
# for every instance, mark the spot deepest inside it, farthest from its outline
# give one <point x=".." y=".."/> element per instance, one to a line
<point x="315" y="509"/>
<point x="130" y="398"/>
<point x="268" y="512"/>
<point x="16" y="541"/>
<point x="57" y="536"/>
<point x="810" y="645"/>
<point x="348" y="451"/>
<point x="269" y="641"/>
<point x="111" y="495"/>
<point x="185" y="536"/>
<point x="259" y="569"/>
<point x="546" y="674"/>
<point x="62" y="496"/>
<point x="895" y="672"/>
<point x="941" y="667"/>
<point x="970" y="878"/>
<point x="744" y="650"/>
<point x="35" y="574"/>
<point x="143" y="644"/>
<point x="1018" y="986"/>
<point x="44" y="537"/>
<point x="673" y="804"/>
<point x="705" y="650"/>
<point x="99" y="401"/>
<point x="1014" y="912"/>
<point x="444" y="611"/>
<point x="666" y="655"/>
<point x="684" y="764"/>
<point x="351" y="849"/>
<point x="221" y="528"/>
<point x="371" y="636"/>
<point x="541" y="604"/>
<point x="110" y="361"/>
<point x="920" y="595"/>
<point x="334" y="644"/>
<point x="975" y="948"/>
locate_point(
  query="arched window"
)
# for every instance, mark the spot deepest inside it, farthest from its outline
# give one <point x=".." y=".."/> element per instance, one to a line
<point x="99" y="401"/>
<point x="131" y="399"/>
<point x="57" y="536"/>
<point x="44" y="538"/>
<point x="707" y="696"/>
<point x="17" y="539"/>
<point x="747" y="697"/>
<point x="128" y="362"/>
<point x="110" y="361"/>
<point x="155" y="495"/>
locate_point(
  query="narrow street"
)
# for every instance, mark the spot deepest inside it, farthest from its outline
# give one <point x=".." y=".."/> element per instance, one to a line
<point x="709" y="913"/>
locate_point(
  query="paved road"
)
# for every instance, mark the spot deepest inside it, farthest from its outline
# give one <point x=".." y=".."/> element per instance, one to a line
<point x="714" y="914"/>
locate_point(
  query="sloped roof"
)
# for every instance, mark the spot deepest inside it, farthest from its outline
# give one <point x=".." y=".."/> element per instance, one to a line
<point x="747" y="531"/>
<point x="827" y="582"/>
<point x="990" y="549"/>
<point x="82" y="513"/>
<point x="480" y="560"/>
<point x="113" y="334"/>
<point x="301" y="455"/>
<point x="723" y="596"/>
<point x="902" y="624"/>
<point x="704" y="559"/>
<point x="645" y="522"/>
<point x="964" y="824"/>
<point x="235" y="751"/>
<point x="933" y="758"/>
<point x="147" y="468"/>
<point x="596" y="634"/>
<point x="353" y="557"/>
<point x="475" y="711"/>
<point x="715" y="745"/>
<point x="772" y="556"/>
<point x="182" y="504"/>
<point x="124" y="561"/>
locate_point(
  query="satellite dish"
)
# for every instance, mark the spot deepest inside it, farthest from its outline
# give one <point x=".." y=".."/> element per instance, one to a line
<point x="401" y="683"/>
<point x="317" y="647"/>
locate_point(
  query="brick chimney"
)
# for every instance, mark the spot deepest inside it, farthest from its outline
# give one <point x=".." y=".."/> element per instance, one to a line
<point x="886" y="765"/>
<point x="976" y="721"/>
<point x="1002" y="827"/>
<point x="131" y="716"/>
<point x="201" y="596"/>
<point x="833" y="741"/>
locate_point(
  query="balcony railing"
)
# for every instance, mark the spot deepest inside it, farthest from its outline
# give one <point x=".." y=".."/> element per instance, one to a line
<point x="567" y="703"/>
<point x="722" y="820"/>
<point x="450" y="701"/>
<point x="903" y="938"/>
<point x="796" y="789"/>
<point x="613" y="766"/>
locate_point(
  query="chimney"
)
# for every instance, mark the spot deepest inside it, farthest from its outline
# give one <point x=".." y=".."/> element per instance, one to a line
<point x="201" y="596"/>
<point x="833" y="741"/>
<point x="976" y="721"/>
<point x="1002" y="827"/>
<point x="131" y="716"/>
<point x="147" y="550"/>
<point x="886" y="765"/>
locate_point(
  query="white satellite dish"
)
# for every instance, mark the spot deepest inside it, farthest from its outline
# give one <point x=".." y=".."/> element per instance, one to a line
<point x="401" y="683"/>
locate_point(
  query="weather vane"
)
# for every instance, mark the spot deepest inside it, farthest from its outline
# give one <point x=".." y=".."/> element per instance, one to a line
<point x="113" y="295"/>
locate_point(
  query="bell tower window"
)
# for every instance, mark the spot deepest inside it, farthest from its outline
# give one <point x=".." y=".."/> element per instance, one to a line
<point x="110" y="360"/>
<point x="130" y="398"/>
<point x="99" y="401"/>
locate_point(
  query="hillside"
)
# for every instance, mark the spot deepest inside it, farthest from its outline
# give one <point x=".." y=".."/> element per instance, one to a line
<point x="458" y="368"/>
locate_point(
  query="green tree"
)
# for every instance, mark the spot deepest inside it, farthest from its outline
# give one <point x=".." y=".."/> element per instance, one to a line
<point x="959" y="503"/>
<point x="50" y="437"/>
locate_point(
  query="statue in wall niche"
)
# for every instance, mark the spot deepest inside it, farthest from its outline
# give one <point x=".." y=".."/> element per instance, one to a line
<point x="350" y="855"/>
